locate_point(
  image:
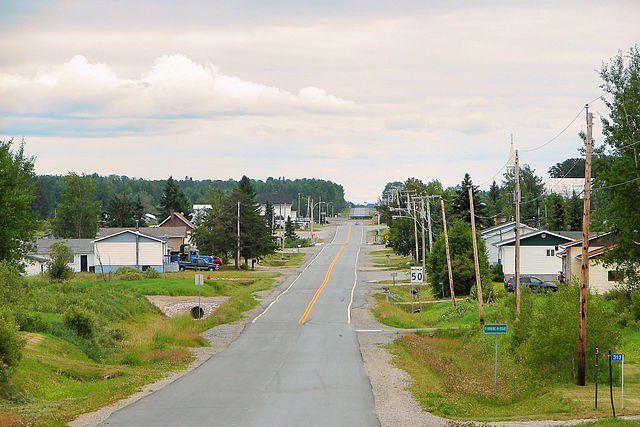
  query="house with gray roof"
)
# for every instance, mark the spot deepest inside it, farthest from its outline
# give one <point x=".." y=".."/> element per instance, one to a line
<point x="83" y="255"/>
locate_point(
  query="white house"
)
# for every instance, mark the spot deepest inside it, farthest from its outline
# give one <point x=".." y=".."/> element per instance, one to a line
<point x="282" y="206"/>
<point x="498" y="234"/>
<point x="601" y="278"/>
<point x="537" y="254"/>
<point x="130" y="248"/>
<point x="83" y="255"/>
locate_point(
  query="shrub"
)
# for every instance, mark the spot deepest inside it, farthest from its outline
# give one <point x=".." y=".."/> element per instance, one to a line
<point x="11" y="345"/>
<point x="151" y="273"/>
<point x="80" y="321"/>
<point x="59" y="256"/>
<point x="128" y="273"/>
<point x="12" y="284"/>
<point x="545" y="335"/>
<point x="30" y="322"/>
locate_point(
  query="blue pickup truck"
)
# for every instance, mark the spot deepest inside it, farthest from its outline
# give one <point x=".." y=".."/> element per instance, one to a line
<point x="197" y="264"/>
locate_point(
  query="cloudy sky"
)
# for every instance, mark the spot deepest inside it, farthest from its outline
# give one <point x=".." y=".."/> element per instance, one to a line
<point x="357" y="92"/>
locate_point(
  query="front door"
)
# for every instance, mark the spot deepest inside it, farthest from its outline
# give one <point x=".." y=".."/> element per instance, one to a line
<point x="83" y="263"/>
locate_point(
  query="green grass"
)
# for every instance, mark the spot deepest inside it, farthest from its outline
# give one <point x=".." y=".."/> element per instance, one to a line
<point x="392" y="262"/>
<point x="283" y="259"/>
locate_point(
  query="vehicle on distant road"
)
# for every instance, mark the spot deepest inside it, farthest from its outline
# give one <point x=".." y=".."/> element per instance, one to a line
<point x="532" y="282"/>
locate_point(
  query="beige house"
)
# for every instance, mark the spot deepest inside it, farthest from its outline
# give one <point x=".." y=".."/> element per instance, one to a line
<point x="601" y="278"/>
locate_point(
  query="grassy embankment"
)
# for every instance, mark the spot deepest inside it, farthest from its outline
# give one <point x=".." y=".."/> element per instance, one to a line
<point x="452" y="369"/>
<point x="62" y="375"/>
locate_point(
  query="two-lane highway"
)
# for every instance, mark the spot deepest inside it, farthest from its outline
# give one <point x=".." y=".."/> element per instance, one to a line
<point x="297" y="364"/>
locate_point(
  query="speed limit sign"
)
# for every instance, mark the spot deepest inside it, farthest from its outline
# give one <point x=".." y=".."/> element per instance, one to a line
<point x="417" y="275"/>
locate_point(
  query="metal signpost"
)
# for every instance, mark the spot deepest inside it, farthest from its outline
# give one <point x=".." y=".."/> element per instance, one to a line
<point x="199" y="281"/>
<point x="417" y="279"/>
<point x="495" y="329"/>
<point x="619" y="357"/>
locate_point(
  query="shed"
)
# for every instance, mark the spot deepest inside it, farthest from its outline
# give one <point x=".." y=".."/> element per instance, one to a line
<point x="130" y="248"/>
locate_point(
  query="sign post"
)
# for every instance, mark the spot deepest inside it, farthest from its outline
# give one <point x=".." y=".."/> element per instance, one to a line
<point x="417" y="279"/>
<point x="619" y="357"/>
<point x="495" y="329"/>
<point x="199" y="281"/>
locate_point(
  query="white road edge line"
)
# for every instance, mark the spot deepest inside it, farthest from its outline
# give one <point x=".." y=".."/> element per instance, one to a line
<point x="355" y="281"/>
<point x="292" y="283"/>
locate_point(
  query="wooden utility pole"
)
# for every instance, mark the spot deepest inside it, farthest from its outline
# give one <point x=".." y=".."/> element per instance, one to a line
<point x="429" y="223"/>
<point x="584" y="269"/>
<point x="238" y="241"/>
<point x="475" y="258"/>
<point x="516" y="197"/>
<point x="411" y="204"/>
<point x="424" y="255"/>
<point x="446" y="248"/>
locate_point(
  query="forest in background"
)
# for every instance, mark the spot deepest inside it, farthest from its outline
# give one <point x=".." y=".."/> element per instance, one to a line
<point x="49" y="189"/>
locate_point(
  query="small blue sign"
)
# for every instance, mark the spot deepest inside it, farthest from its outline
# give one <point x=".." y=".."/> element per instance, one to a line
<point x="616" y="357"/>
<point x="495" y="328"/>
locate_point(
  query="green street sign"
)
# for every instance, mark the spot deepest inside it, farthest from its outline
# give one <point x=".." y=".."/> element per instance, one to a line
<point x="495" y="328"/>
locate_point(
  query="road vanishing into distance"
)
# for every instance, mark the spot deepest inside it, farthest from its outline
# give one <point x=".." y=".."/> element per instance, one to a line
<point x="296" y="364"/>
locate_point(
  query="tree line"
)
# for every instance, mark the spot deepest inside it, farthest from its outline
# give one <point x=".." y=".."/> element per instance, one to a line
<point x="147" y="194"/>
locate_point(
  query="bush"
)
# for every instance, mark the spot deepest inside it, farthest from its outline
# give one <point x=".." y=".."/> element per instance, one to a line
<point x="151" y="273"/>
<point x="545" y="336"/>
<point x="497" y="274"/>
<point x="11" y="345"/>
<point x="30" y="322"/>
<point x="59" y="256"/>
<point x="128" y="273"/>
<point x="80" y="321"/>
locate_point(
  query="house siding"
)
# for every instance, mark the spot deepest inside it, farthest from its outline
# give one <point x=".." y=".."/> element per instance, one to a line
<point x="533" y="260"/>
<point x="120" y="251"/>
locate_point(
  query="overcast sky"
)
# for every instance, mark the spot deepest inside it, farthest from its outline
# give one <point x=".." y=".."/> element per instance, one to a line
<point x="360" y="92"/>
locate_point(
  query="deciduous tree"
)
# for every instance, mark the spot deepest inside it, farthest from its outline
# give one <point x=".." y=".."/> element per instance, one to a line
<point x="17" y="191"/>
<point x="77" y="215"/>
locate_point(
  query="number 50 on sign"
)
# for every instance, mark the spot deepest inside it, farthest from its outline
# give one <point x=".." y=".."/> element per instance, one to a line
<point x="417" y="275"/>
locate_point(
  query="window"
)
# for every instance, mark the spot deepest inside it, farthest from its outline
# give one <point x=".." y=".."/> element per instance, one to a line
<point x="613" y="276"/>
<point x="551" y="252"/>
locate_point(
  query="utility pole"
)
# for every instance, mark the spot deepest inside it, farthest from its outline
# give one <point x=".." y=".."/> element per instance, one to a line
<point x="238" y="241"/>
<point x="429" y="223"/>
<point x="299" y="214"/>
<point x="446" y="247"/>
<point x="584" y="269"/>
<point x="415" y="228"/>
<point x="475" y="258"/>
<point x="311" y="222"/>
<point x="424" y="262"/>
<point x="516" y="197"/>
<point x="308" y="204"/>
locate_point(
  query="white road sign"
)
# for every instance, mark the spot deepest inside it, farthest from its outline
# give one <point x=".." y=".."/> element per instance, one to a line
<point x="417" y="275"/>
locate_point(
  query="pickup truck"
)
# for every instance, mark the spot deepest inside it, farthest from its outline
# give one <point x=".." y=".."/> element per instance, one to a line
<point x="197" y="264"/>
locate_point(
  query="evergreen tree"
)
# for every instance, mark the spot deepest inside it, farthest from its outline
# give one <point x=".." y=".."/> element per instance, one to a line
<point x="78" y="213"/>
<point x="173" y="199"/>
<point x="123" y="211"/>
<point x="17" y="191"/>
<point x="462" y="261"/>
<point x="575" y="208"/>
<point x="269" y="217"/>
<point x="556" y="213"/>
<point x="289" y="231"/>
<point x="461" y="205"/>
<point x="208" y="234"/>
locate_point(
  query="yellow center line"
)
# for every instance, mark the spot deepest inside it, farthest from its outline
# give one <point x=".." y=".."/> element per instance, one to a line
<point x="304" y="316"/>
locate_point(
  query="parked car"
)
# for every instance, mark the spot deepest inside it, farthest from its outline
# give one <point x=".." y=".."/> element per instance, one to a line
<point x="212" y="259"/>
<point x="532" y="282"/>
<point x="197" y="264"/>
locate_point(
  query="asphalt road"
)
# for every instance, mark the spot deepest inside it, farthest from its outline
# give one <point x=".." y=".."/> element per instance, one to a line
<point x="297" y="364"/>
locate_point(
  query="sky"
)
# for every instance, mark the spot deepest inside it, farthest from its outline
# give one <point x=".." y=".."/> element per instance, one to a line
<point x="357" y="92"/>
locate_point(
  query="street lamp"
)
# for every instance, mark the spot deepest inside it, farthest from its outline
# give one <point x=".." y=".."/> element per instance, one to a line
<point x="313" y="207"/>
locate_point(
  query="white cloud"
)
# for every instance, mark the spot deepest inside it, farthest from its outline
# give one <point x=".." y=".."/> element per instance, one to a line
<point x="174" y="86"/>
